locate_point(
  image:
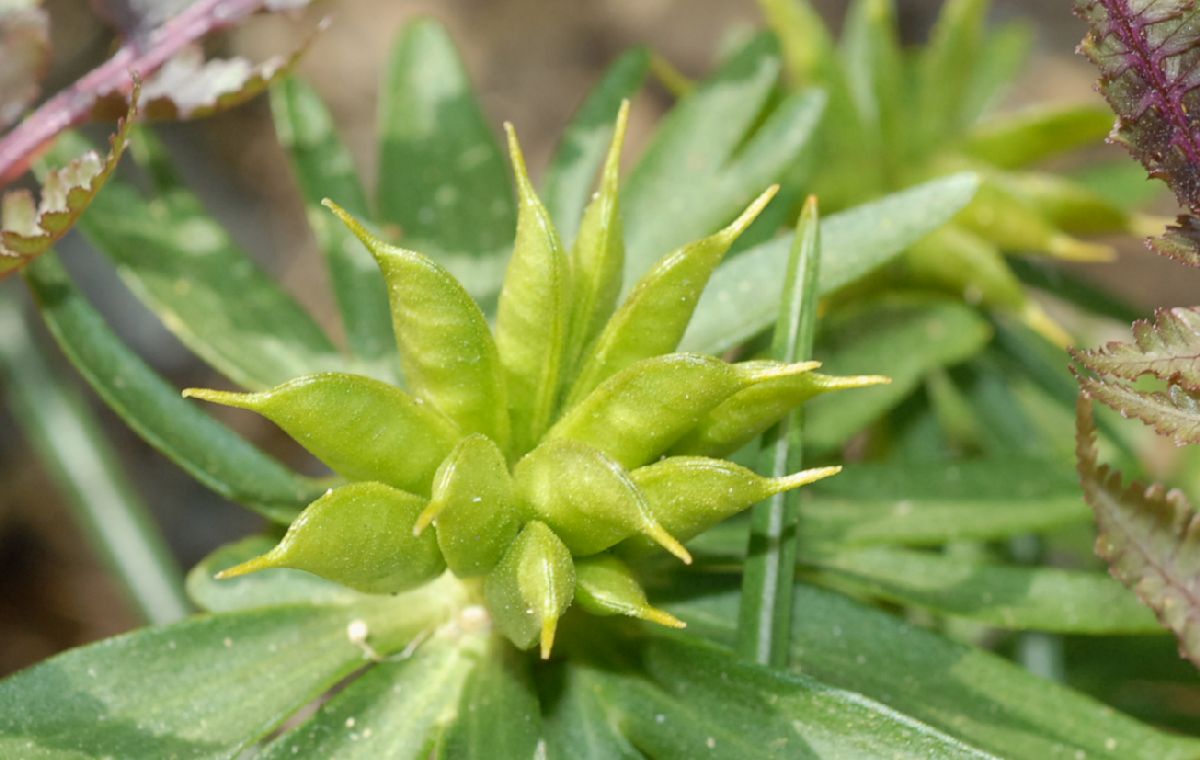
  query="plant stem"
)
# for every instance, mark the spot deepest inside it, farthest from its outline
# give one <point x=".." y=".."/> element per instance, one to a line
<point x="71" y="445"/>
<point x="765" y="617"/>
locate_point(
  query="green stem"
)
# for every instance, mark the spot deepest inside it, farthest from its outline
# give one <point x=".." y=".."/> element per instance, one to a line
<point x="75" y="451"/>
<point x="765" y="618"/>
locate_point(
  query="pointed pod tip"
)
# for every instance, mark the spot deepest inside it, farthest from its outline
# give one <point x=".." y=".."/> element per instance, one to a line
<point x="261" y="562"/>
<point x="353" y="224"/>
<point x="1068" y="248"/>
<point x="427" y="516"/>
<point x="652" y="615"/>
<point x="804" y="477"/>
<point x="660" y="536"/>
<point x="549" y="628"/>
<point x="1036" y="319"/>
<point x="747" y="217"/>
<point x="224" y="398"/>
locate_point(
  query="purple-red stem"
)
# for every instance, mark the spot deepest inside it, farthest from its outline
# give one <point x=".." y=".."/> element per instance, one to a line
<point x="141" y="55"/>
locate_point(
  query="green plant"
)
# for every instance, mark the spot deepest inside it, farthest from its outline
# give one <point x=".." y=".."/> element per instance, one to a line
<point x="951" y="473"/>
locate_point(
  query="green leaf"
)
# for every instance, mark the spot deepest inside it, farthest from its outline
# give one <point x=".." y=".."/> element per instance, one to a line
<point x="581" y="149"/>
<point x="533" y="321"/>
<point x="743" y="297"/>
<point x="935" y="503"/>
<point x="770" y="564"/>
<point x="397" y="709"/>
<point x="82" y="461"/>
<point x="324" y="168"/>
<point x="999" y="62"/>
<point x="945" y="70"/>
<point x="183" y="265"/>
<point x="875" y="76"/>
<point x="1021" y="598"/>
<point x="442" y="177"/>
<point x="446" y="348"/>
<point x="1148" y="536"/>
<point x="359" y="535"/>
<point x="266" y="588"/>
<point x="158" y="693"/>
<point x="1021" y="138"/>
<point x="656" y="313"/>
<point x="962" y="690"/>
<point x="205" y="449"/>
<point x="701" y="702"/>
<point x="498" y="713"/>
<point x="904" y="338"/>
<point x="578" y="720"/>
<point x="381" y="433"/>
<point x="712" y="154"/>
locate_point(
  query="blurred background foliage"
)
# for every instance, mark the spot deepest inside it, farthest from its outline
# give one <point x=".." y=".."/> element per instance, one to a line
<point x="531" y="62"/>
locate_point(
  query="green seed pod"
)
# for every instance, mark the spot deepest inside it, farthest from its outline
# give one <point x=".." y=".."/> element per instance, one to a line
<point x="587" y="498"/>
<point x="446" y="349"/>
<point x="604" y="585"/>
<point x="654" y="317"/>
<point x="748" y="413"/>
<point x="362" y="428"/>
<point x="1069" y="205"/>
<point x="598" y="256"/>
<point x="531" y="587"/>
<point x="689" y="495"/>
<point x="638" y="413"/>
<point x="473" y="506"/>
<point x="534" y="313"/>
<point x="359" y="535"/>
<point x="1014" y="224"/>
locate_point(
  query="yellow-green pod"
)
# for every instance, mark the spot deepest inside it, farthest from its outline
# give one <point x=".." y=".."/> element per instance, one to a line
<point x="586" y="498"/>
<point x="473" y="507"/>
<point x="531" y="587"/>
<point x="1069" y="205"/>
<point x="689" y="495"/>
<point x="1014" y="224"/>
<point x="598" y="256"/>
<point x="362" y="428"/>
<point x="446" y="348"/>
<point x="634" y="416"/>
<point x="359" y="535"/>
<point x="604" y="585"/>
<point x="654" y="317"/>
<point x="534" y="313"/>
<point x="748" y="413"/>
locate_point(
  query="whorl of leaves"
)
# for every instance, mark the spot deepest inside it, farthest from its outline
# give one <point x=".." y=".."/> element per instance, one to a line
<point x="1147" y="52"/>
<point x="1149" y="536"/>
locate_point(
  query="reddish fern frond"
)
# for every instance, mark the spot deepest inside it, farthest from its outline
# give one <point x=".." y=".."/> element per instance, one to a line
<point x="1150" y="537"/>
<point x="1148" y="53"/>
<point x="1168" y="348"/>
<point x="1174" y="413"/>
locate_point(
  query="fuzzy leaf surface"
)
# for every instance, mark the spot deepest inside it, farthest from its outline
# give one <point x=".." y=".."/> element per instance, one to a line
<point x="1168" y="348"/>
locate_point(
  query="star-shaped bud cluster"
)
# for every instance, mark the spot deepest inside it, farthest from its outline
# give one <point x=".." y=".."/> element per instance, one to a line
<point x="539" y="457"/>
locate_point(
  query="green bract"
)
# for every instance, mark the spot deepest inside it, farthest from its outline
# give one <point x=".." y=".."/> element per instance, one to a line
<point x="515" y="456"/>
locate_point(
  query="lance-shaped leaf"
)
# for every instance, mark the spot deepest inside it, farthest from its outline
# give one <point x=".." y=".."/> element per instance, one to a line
<point x="360" y="535"/>
<point x="604" y="585"/>
<point x="1149" y="536"/>
<point x="446" y="349"/>
<point x="324" y="167"/>
<point x="25" y="40"/>
<point x="1022" y="138"/>
<point x="656" y="313"/>
<point x="442" y="178"/>
<point x="589" y="501"/>
<point x="748" y="413"/>
<point x="1168" y="348"/>
<point x="637" y="414"/>
<point x="598" y="256"/>
<point x="28" y="229"/>
<point x="1147" y="54"/>
<point x="534" y="313"/>
<point x="689" y="495"/>
<point x="945" y="68"/>
<point x="1071" y="205"/>
<point x="473" y="506"/>
<point x="581" y="150"/>
<point x="531" y="588"/>
<point x="1174" y="412"/>
<point x="363" y="429"/>
<point x="498" y="711"/>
